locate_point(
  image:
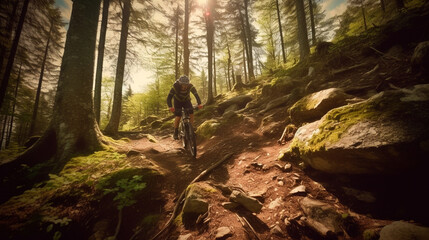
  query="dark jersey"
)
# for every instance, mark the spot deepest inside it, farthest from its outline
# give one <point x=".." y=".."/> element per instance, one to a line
<point x="182" y="94"/>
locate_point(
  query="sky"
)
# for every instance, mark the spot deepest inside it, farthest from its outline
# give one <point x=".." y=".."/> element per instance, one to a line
<point x="142" y="77"/>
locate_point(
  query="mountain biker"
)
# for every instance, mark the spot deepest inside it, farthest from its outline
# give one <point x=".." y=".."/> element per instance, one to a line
<point x="181" y="92"/>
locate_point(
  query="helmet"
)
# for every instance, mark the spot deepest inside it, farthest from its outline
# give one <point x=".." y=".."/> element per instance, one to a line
<point x="184" y="79"/>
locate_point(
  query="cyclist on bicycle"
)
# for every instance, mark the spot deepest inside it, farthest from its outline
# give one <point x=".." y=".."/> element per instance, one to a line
<point x="182" y="99"/>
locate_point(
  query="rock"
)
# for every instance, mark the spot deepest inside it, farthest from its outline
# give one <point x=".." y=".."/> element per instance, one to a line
<point x="275" y="203"/>
<point x="279" y="87"/>
<point x="321" y="217"/>
<point x="230" y="114"/>
<point x="280" y="183"/>
<point x="156" y="124"/>
<point x="278" y="102"/>
<point x="208" y="128"/>
<point x="363" y="196"/>
<point x="420" y="58"/>
<point x="287" y="167"/>
<point x="250" y="203"/>
<point x="231" y="108"/>
<point x="240" y="101"/>
<point x="229" y="205"/>
<point x="194" y="202"/>
<point x="276" y="230"/>
<point x="185" y="237"/>
<point x="315" y="105"/>
<point x="223" y="233"/>
<point x="386" y="134"/>
<point x="298" y="190"/>
<point x="272" y="130"/>
<point x="404" y="231"/>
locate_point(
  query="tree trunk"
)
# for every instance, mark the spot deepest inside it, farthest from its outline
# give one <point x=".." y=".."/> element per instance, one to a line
<point x="250" y="42"/>
<point x="100" y="60"/>
<point x="4" y="125"/>
<point x="245" y="45"/>
<point x="73" y="128"/>
<point x="304" y="48"/>
<point x="229" y="67"/>
<point x="244" y="65"/>
<point x="313" y="27"/>
<point x="176" y="60"/>
<point x="9" y="66"/>
<point x="113" y="125"/>
<point x="214" y="73"/>
<point x="7" y="36"/>
<point x="39" y="87"/>
<point x="281" y="31"/>
<point x="18" y="80"/>
<point x="186" y="52"/>
<point x="210" y="36"/>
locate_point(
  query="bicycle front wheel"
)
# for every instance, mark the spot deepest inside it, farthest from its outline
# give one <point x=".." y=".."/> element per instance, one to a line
<point x="192" y="143"/>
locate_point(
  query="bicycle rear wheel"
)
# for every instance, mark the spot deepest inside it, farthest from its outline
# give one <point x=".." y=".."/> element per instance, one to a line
<point x="192" y="143"/>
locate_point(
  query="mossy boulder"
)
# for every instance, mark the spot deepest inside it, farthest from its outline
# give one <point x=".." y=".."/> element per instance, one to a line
<point x="386" y="134"/>
<point x="208" y="128"/>
<point x="314" y="106"/>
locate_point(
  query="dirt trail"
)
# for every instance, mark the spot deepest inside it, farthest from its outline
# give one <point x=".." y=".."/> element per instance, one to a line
<point x="254" y="168"/>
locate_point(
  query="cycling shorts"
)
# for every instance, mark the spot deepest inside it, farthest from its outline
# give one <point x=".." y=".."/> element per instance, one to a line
<point x="178" y="105"/>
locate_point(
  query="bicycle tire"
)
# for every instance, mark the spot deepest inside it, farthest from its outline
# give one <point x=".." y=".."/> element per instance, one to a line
<point x="192" y="143"/>
<point x="182" y="133"/>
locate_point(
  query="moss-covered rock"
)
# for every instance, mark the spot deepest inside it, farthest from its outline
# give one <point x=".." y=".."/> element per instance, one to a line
<point x="156" y="124"/>
<point x="208" y="128"/>
<point x="314" y="106"/>
<point x="386" y="134"/>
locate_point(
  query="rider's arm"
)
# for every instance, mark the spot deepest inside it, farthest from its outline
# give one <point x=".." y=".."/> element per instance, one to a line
<point x="194" y="91"/>
<point x="169" y="97"/>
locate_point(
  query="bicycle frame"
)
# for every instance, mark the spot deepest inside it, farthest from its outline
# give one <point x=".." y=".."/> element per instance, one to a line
<point x="187" y="133"/>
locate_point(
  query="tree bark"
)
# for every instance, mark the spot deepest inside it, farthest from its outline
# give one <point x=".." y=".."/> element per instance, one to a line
<point x="281" y="31"/>
<point x="313" y="27"/>
<point x="8" y="35"/>
<point x="244" y="65"/>
<point x="214" y="73"/>
<point x="304" y="48"/>
<point x="383" y="6"/>
<point x="210" y="36"/>
<point x="186" y="52"/>
<point x="176" y="60"/>
<point x="245" y="46"/>
<point x="229" y="67"/>
<point x="100" y="60"/>
<point x="39" y="87"/>
<point x="18" y="80"/>
<point x="113" y="125"/>
<point x="250" y="42"/>
<point x="11" y="58"/>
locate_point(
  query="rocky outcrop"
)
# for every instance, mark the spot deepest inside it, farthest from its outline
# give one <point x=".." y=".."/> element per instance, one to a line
<point x="321" y="217"/>
<point x="208" y="128"/>
<point x="240" y="101"/>
<point x="404" y="231"/>
<point x="385" y="134"/>
<point x="314" y="106"/>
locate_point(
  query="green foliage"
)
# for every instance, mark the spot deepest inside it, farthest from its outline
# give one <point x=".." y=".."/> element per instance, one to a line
<point x="125" y="191"/>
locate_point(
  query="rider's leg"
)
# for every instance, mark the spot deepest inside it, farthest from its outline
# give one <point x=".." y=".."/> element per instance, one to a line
<point x="176" y="127"/>
<point x="176" y="122"/>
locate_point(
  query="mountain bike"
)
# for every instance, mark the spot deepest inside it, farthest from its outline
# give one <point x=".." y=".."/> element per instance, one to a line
<point x="187" y="134"/>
